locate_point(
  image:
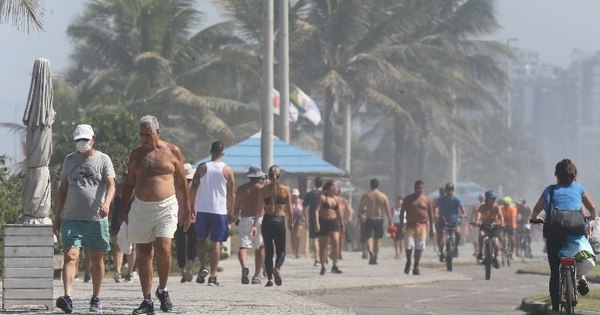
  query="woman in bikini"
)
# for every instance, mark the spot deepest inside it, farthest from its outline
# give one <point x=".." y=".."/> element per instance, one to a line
<point x="330" y="223"/>
<point x="298" y="216"/>
<point x="275" y="200"/>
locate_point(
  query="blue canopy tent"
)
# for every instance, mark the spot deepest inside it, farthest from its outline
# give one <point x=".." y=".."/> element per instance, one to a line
<point x="293" y="161"/>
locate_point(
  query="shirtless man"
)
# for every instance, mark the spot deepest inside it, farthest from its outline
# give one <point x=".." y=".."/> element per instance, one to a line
<point x="154" y="168"/>
<point x="489" y="216"/>
<point x="246" y="202"/>
<point x="417" y="208"/>
<point x="372" y="207"/>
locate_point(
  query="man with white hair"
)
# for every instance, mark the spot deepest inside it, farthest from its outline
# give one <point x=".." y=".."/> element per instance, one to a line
<point x="154" y="168"/>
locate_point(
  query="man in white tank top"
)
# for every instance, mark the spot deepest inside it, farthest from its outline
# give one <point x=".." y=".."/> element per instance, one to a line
<point x="212" y="196"/>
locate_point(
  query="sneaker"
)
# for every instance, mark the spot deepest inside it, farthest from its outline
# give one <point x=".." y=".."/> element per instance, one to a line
<point x="269" y="283"/>
<point x="322" y="273"/>
<point x="495" y="263"/>
<point x="407" y="267"/>
<point x="65" y="304"/>
<point x="582" y="287"/>
<point x="87" y="277"/>
<point x="416" y="271"/>
<point x="245" y="273"/>
<point x="277" y="276"/>
<point x="456" y="252"/>
<point x="128" y="278"/>
<point x="479" y="256"/>
<point x="336" y="270"/>
<point x="316" y="264"/>
<point x="202" y="275"/>
<point x="442" y="257"/>
<point x="146" y="308"/>
<point x="255" y="280"/>
<point x="95" y="305"/>
<point x="212" y="281"/>
<point x="165" y="301"/>
<point x="188" y="275"/>
<point x="117" y="277"/>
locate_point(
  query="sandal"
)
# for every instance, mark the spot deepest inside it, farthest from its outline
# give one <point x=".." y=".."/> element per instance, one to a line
<point x="582" y="287"/>
<point x="255" y="280"/>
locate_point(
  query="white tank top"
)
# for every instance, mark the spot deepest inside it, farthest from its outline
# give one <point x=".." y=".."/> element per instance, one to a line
<point x="212" y="193"/>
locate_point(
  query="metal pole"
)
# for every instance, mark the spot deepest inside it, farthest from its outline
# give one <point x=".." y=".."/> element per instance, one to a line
<point x="267" y="112"/>
<point x="347" y="134"/>
<point x="509" y="88"/>
<point x="284" y="71"/>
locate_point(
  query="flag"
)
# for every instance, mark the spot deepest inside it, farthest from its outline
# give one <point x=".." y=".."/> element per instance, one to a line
<point x="307" y="107"/>
<point x="292" y="110"/>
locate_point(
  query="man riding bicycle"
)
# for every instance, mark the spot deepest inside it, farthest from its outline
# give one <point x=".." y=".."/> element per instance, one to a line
<point x="489" y="217"/>
<point x="524" y="227"/>
<point x="448" y="211"/>
<point x="509" y="212"/>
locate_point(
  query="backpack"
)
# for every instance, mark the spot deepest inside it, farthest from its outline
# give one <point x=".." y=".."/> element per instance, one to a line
<point x="561" y="221"/>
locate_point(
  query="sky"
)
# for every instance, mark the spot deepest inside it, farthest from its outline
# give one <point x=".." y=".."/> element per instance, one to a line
<point x="554" y="28"/>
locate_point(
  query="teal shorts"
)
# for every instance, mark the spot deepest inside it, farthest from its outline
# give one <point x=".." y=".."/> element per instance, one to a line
<point x="90" y="235"/>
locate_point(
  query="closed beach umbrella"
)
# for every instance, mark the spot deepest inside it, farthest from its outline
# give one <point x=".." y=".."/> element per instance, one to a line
<point x="38" y="117"/>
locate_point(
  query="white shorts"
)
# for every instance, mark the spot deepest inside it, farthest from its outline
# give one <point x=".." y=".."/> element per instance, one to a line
<point x="151" y="219"/>
<point x="245" y="230"/>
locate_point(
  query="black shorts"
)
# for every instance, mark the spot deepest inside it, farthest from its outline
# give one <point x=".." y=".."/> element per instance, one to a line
<point x="372" y="228"/>
<point x="328" y="225"/>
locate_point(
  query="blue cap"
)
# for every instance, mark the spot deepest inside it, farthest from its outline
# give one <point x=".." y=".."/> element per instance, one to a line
<point x="490" y="194"/>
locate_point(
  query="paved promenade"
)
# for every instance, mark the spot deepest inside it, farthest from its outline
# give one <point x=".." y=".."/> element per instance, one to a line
<point x="300" y="278"/>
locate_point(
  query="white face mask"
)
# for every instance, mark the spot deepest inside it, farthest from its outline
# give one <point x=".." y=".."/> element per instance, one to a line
<point x="83" y="146"/>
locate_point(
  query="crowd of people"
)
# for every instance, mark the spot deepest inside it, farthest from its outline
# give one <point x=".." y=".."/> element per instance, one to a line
<point x="162" y="198"/>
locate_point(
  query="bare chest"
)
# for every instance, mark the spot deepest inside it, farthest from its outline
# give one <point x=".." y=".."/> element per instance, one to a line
<point x="156" y="162"/>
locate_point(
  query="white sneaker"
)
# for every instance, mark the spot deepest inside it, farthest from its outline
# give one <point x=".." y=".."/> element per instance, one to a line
<point x="187" y="271"/>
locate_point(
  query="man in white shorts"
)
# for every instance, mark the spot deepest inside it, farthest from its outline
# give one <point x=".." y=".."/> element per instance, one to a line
<point x="244" y="210"/>
<point x="154" y="168"/>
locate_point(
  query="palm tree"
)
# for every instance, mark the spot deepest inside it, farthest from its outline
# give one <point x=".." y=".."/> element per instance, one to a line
<point x="24" y="14"/>
<point x="143" y="55"/>
<point x="413" y="61"/>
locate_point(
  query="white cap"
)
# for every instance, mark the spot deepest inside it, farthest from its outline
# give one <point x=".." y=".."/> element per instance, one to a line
<point x="189" y="171"/>
<point x="83" y="131"/>
<point x="295" y="192"/>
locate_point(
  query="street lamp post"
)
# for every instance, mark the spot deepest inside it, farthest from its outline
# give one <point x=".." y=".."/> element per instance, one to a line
<point x="509" y="88"/>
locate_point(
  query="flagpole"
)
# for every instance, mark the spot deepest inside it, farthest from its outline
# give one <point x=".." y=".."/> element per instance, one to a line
<point x="284" y="75"/>
<point x="267" y="112"/>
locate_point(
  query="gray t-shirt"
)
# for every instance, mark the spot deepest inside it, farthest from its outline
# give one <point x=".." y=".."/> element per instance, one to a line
<point x="87" y="188"/>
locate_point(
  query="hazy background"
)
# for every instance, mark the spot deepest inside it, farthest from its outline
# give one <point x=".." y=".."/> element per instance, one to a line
<point x="552" y="28"/>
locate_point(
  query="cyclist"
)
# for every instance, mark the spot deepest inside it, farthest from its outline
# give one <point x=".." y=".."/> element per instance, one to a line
<point x="523" y="226"/>
<point x="509" y="212"/>
<point x="489" y="214"/>
<point x="448" y="211"/>
<point x="568" y="196"/>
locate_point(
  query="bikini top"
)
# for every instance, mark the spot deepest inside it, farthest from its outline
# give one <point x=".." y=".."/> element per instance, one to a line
<point x="326" y="205"/>
<point x="279" y="200"/>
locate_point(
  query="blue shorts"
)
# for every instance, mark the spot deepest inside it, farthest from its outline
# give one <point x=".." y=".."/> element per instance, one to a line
<point x="91" y="235"/>
<point x="216" y="224"/>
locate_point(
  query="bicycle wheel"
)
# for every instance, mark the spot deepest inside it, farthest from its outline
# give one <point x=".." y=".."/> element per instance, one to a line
<point x="568" y="292"/>
<point x="487" y="262"/>
<point x="449" y="253"/>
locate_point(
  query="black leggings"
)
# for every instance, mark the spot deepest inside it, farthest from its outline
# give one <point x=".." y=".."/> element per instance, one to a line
<point x="553" y="244"/>
<point x="185" y="250"/>
<point x="273" y="233"/>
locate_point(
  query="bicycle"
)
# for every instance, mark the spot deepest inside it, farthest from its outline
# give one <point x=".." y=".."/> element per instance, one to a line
<point x="505" y="249"/>
<point x="524" y="241"/>
<point x="488" y="249"/>
<point x="567" y="288"/>
<point x="450" y="245"/>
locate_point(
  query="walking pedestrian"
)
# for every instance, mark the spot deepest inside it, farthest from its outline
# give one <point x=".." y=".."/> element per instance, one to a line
<point x="330" y="223"/>
<point x="373" y="205"/>
<point x="86" y="190"/>
<point x="298" y="218"/>
<point x="212" y="193"/>
<point x="185" y="241"/>
<point x="417" y="208"/>
<point x="154" y="168"/>
<point x="310" y="205"/>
